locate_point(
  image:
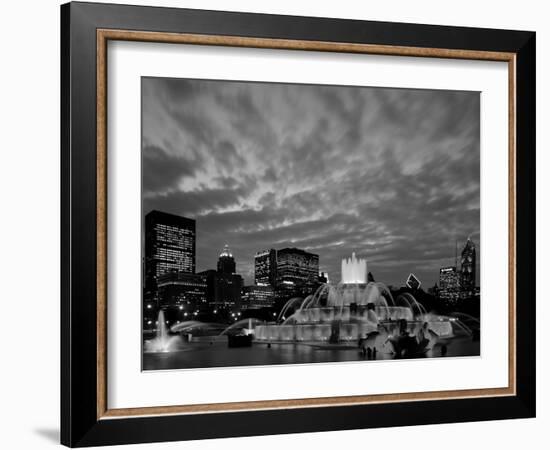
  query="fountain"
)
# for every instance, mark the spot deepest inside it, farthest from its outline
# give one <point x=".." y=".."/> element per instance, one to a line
<point x="191" y="326"/>
<point x="162" y="342"/>
<point x="293" y="302"/>
<point x="242" y="327"/>
<point x="352" y="310"/>
<point x="354" y="270"/>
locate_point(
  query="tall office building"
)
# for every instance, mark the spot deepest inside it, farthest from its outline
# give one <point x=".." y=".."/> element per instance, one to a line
<point x="297" y="266"/>
<point x="258" y="296"/>
<point x="224" y="285"/>
<point x="169" y="247"/>
<point x="265" y="268"/>
<point x="449" y="284"/>
<point x="226" y="262"/>
<point x="468" y="267"/>
<point x="297" y="273"/>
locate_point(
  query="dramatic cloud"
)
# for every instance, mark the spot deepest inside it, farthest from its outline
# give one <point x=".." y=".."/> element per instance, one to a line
<point x="392" y="174"/>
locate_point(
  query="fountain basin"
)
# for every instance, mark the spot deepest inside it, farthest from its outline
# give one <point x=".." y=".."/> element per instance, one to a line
<point x="347" y="331"/>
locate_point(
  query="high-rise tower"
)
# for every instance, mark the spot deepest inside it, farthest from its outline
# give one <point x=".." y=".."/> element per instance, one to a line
<point x="226" y="262"/>
<point x="468" y="266"/>
<point x="169" y="247"/>
<point x="265" y="268"/>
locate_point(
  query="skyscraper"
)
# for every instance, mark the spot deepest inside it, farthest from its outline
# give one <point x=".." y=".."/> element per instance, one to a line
<point x="449" y="284"/>
<point x="169" y="247"/>
<point x="224" y="285"/>
<point x="297" y="273"/>
<point x="297" y="266"/>
<point x="226" y="262"/>
<point x="468" y="267"/>
<point x="265" y="268"/>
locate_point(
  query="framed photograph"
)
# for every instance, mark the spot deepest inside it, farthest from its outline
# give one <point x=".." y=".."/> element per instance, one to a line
<point x="276" y="224"/>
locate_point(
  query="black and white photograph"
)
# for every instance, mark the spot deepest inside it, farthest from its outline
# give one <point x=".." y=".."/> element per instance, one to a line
<point x="301" y="223"/>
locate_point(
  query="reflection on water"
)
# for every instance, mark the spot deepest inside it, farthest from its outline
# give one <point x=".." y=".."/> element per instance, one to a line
<point x="218" y="354"/>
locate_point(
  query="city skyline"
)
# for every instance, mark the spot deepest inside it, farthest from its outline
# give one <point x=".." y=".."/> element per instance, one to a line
<point x="227" y="263"/>
<point x="391" y="174"/>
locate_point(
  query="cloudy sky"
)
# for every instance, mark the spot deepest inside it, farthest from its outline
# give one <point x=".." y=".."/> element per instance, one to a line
<point x="392" y="174"/>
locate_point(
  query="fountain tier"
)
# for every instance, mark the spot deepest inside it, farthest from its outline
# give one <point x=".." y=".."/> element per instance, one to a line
<point x="349" y="311"/>
<point x="354" y="270"/>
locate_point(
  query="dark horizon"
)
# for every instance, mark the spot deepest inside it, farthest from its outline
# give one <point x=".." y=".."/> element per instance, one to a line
<point x="392" y="174"/>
